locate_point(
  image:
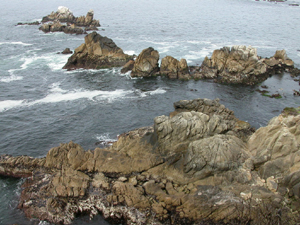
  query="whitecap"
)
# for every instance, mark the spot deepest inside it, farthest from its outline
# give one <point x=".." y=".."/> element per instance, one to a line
<point x="59" y="95"/>
<point x="9" y="104"/>
<point x="15" y="43"/>
<point x="148" y="93"/>
<point x="105" y="139"/>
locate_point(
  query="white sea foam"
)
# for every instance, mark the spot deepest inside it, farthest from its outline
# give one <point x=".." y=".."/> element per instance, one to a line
<point x="148" y="93"/>
<point x="57" y="94"/>
<point x="199" y="42"/>
<point x="194" y="55"/>
<point x="9" y="104"/>
<point x="15" y="43"/>
<point x="129" y="52"/>
<point x="105" y="139"/>
<point x="11" y="78"/>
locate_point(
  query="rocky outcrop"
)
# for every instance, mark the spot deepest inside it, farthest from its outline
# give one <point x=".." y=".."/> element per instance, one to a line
<point x="146" y="64"/>
<point x="71" y="24"/>
<point x="191" y="167"/>
<point x="174" y="69"/>
<point x="97" y="52"/>
<point x="235" y="65"/>
<point x="242" y="65"/>
<point x="64" y="15"/>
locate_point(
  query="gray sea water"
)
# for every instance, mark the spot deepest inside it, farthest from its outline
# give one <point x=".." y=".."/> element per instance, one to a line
<point x="42" y="105"/>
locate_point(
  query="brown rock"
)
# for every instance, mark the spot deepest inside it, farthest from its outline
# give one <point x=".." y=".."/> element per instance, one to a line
<point x="97" y="52"/>
<point x="128" y="66"/>
<point x="146" y="64"/>
<point x="241" y="65"/>
<point x="173" y="68"/>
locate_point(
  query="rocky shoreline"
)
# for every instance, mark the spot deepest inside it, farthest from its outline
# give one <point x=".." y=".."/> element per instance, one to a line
<point x="198" y="165"/>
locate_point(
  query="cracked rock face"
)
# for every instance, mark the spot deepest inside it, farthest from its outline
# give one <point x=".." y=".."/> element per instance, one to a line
<point x="192" y="167"/>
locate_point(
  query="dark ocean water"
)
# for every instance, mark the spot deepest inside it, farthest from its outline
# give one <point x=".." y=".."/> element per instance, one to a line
<point x="42" y="105"/>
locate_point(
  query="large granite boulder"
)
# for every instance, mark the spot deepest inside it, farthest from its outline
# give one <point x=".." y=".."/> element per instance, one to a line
<point x="192" y="167"/>
<point x="242" y="65"/>
<point x="174" y="69"/>
<point x="97" y="52"/>
<point x="146" y="64"/>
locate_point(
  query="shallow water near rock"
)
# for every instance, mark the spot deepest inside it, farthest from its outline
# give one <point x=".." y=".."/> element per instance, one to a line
<point x="42" y="105"/>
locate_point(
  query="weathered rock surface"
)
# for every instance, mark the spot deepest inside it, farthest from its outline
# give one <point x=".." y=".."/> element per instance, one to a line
<point x="174" y="69"/>
<point x="146" y="64"/>
<point x="242" y="65"/>
<point x="97" y="52"/>
<point x="276" y="151"/>
<point x="192" y="167"/>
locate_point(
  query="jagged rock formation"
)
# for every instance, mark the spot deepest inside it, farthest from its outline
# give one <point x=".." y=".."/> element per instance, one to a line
<point x="242" y="65"/>
<point x="192" y="167"/>
<point x="71" y="24"/>
<point x="235" y="65"/>
<point x="97" y="52"/>
<point x="146" y="64"/>
<point x="174" y="69"/>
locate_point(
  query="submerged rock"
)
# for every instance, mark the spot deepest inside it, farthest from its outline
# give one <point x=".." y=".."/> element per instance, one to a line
<point x="192" y="167"/>
<point x="97" y="52"/>
<point x="67" y="51"/>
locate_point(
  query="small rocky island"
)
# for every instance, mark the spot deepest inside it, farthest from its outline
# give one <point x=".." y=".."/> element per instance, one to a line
<point x="199" y="165"/>
<point x="63" y="20"/>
